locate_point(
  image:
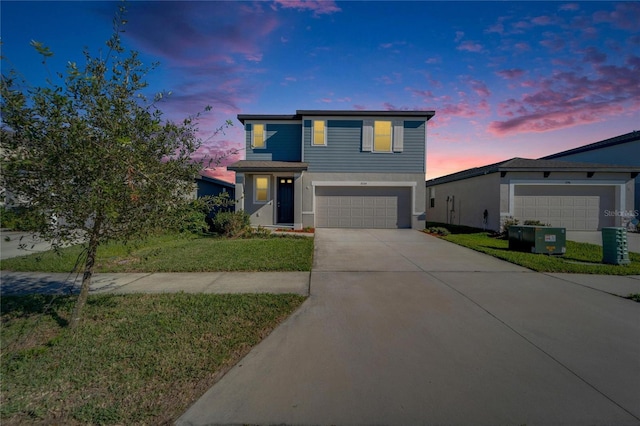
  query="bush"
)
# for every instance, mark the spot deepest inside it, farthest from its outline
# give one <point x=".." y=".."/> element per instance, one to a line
<point x="20" y="219"/>
<point x="535" y="223"/>
<point x="454" y="229"/>
<point x="231" y="224"/>
<point x="191" y="217"/>
<point x="508" y="222"/>
<point x="438" y="230"/>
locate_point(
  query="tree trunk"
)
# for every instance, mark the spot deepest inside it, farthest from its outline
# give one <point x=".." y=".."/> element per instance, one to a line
<point x="86" y="277"/>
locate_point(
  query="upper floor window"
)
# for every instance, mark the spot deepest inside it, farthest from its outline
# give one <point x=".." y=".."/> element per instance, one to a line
<point x="319" y="133"/>
<point x="258" y="136"/>
<point x="382" y="136"/>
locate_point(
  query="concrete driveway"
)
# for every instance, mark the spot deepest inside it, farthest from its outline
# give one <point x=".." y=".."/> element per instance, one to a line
<point x="402" y="328"/>
<point x="14" y="243"/>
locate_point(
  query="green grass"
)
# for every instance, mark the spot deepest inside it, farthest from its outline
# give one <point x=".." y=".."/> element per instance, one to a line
<point x="580" y="258"/>
<point x="179" y="253"/>
<point x="135" y="359"/>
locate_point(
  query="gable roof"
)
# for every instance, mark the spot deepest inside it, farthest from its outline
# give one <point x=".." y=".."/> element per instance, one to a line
<point x="427" y="115"/>
<point x="528" y="165"/>
<point x="215" y="181"/>
<point x="628" y="137"/>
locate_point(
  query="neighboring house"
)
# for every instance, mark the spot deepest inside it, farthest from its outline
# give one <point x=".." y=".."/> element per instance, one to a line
<point x="623" y="150"/>
<point x="577" y="196"/>
<point x="208" y="186"/>
<point x="211" y="186"/>
<point x="337" y="169"/>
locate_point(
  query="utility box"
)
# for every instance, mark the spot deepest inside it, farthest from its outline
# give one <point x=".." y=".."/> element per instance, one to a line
<point x="615" y="248"/>
<point x="538" y="239"/>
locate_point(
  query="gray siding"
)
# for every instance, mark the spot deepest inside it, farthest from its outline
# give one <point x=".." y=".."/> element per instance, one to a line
<point x="343" y="152"/>
<point x="282" y="143"/>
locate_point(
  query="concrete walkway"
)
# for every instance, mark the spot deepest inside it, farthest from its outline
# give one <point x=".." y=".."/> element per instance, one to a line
<point x="402" y="328"/>
<point x="199" y="282"/>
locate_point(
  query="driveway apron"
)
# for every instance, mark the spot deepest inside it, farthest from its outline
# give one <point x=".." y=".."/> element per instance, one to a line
<point x="402" y="328"/>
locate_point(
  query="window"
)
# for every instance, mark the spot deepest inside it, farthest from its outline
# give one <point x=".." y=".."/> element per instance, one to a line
<point x="382" y="135"/>
<point x="432" y="197"/>
<point x="258" y="136"/>
<point x="382" y="139"/>
<point x="319" y="133"/>
<point x="261" y="189"/>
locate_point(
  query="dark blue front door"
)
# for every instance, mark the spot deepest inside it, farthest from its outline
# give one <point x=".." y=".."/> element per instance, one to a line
<point x="285" y="200"/>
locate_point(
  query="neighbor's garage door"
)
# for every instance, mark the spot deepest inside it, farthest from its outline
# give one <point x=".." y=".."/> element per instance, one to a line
<point x="578" y="208"/>
<point x="363" y="207"/>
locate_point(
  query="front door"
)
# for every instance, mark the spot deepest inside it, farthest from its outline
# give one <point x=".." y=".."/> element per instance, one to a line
<point x="285" y="200"/>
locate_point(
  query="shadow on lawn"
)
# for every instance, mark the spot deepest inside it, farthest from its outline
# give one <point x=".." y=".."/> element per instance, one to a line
<point x="26" y="306"/>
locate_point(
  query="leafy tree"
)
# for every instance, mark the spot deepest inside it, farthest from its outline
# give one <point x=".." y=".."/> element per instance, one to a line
<point x="92" y="155"/>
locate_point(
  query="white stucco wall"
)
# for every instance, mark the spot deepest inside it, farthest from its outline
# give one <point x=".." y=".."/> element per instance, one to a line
<point x="467" y="201"/>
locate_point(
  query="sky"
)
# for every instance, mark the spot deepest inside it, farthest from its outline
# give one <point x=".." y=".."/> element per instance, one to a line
<point x="506" y="79"/>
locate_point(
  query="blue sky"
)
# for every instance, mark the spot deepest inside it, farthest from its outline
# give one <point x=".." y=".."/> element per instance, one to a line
<point x="506" y="79"/>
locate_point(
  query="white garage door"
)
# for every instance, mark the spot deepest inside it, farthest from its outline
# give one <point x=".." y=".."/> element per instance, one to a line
<point x="564" y="208"/>
<point x="355" y="207"/>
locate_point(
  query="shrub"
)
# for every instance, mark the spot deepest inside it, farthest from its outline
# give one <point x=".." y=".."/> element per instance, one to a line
<point x="20" y="219"/>
<point x="535" y="223"/>
<point x="191" y="217"/>
<point x="438" y="230"/>
<point x="231" y="224"/>
<point x="506" y="224"/>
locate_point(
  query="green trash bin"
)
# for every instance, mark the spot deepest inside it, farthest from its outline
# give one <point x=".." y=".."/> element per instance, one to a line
<point x="615" y="248"/>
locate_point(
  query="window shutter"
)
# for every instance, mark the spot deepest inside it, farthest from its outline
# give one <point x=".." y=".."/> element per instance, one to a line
<point x="398" y="135"/>
<point x="250" y="133"/>
<point x="367" y="135"/>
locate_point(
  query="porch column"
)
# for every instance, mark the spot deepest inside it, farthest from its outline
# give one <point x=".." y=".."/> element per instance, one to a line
<point x="297" y="201"/>
<point x="239" y="198"/>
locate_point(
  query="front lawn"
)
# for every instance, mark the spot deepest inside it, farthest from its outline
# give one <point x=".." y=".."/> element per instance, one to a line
<point x="180" y="253"/>
<point x="135" y="359"/>
<point x="580" y="258"/>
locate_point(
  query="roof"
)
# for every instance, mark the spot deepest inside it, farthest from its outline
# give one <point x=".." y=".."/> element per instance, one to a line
<point x="527" y="165"/>
<point x="336" y="113"/>
<point x="216" y="181"/>
<point x="628" y="137"/>
<point x="244" y="166"/>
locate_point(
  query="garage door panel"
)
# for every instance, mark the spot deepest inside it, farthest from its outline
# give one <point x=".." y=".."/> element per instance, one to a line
<point x="368" y="207"/>
<point x="579" y="207"/>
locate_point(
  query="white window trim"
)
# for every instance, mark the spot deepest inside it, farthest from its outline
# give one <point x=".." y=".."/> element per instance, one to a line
<point x="255" y="189"/>
<point x="313" y="133"/>
<point x="253" y="136"/>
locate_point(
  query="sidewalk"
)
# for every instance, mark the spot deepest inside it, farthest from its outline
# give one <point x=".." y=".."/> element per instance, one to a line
<point x="193" y="282"/>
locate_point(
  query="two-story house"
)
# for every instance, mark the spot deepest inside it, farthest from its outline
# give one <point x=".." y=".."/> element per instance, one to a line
<point x="334" y="169"/>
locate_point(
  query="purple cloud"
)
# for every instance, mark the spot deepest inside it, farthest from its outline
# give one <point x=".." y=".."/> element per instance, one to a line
<point x="318" y="7"/>
<point x="570" y="7"/>
<point x="470" y="46"/>
<point x="553" y="41"/>
<point x="544" y="20"/>
<point x="511" y="74"/>
<point x="625" y="16"/>
<point x="480" y="88"/>
<point x="394" y="78"/>
<point x="568" y="99"/>
<point x="594" y="56"/>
